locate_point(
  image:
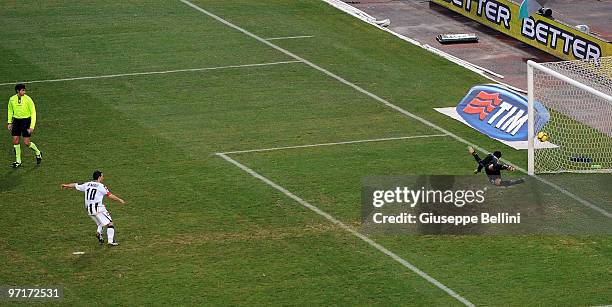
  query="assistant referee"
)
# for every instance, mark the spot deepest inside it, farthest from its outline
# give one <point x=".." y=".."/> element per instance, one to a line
<point x="21" y="122"/>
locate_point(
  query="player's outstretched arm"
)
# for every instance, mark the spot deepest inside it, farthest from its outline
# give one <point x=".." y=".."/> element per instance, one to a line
<point x="66" y="186"/>
<point x="115" y="198"/>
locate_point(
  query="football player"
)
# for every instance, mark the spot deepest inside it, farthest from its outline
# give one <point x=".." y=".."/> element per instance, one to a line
<point x="493" y="168"/>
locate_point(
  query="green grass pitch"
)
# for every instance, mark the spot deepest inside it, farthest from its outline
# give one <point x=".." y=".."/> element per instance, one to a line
<point x="198" y="230"/>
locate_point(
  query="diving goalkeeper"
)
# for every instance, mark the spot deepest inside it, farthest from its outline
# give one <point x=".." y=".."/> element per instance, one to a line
<point x="493" y="168"/>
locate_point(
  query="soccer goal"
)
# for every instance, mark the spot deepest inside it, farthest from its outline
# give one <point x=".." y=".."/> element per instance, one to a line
<point x="578" y="98"/>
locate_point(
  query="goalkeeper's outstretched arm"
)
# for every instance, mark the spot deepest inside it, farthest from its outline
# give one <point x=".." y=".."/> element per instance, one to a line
<point x="481" y="163"/>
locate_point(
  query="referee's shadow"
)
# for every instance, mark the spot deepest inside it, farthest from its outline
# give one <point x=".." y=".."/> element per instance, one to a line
<point x="13" y="177"/>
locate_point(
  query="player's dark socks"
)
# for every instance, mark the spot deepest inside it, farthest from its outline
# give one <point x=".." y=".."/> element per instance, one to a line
<point x="480" y="166"/>
<point x="100" y="238"/>
<point x="476" y="157"/>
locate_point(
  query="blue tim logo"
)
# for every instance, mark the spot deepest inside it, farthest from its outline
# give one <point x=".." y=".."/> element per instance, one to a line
<point x="499" y="112"/>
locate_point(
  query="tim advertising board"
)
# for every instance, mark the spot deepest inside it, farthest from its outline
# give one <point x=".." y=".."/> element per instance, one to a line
<point x="549" y="35"/>
<point x="499" y="113"/>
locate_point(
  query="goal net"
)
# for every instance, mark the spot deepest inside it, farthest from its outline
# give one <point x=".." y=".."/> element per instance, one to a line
<point x="578" y="97"/>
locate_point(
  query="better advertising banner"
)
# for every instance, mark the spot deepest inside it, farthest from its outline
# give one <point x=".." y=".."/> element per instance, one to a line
<point x="551" y="36"/>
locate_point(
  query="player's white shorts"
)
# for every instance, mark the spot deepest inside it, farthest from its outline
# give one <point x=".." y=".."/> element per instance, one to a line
<point x="102" y="218"/>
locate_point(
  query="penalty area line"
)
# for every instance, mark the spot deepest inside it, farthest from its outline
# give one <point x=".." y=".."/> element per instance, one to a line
<point x="336" y="143"/>
<point x="154" y="72"/>
<point x="357" y="234"/>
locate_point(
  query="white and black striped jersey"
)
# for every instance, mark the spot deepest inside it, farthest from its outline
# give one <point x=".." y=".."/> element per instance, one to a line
<point x="94" y="194"/>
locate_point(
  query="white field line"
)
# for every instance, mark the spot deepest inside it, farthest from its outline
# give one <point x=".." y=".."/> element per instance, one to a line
<point x="154" y="72"/>
<point x="349" y="229"/>
<point x="287" y="37"/>
<point x="336" y="143"/>
<point x="392" y="106"/>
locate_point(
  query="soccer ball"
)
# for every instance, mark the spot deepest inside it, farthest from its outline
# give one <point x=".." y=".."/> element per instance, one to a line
<point x="543" y="136"/>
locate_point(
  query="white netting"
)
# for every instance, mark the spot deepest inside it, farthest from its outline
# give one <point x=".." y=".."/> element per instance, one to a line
<point x="580" y="121"/>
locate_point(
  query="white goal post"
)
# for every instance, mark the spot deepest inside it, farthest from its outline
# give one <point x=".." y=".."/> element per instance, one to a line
<point x="578" y="98"/>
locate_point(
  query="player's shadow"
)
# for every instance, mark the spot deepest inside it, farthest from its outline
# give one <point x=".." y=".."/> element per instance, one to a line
<point x="13" y="178"/>
<point x="85" y="262"/>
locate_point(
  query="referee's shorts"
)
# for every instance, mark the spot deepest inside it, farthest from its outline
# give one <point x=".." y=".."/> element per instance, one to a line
<point x="21" y="126"/>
